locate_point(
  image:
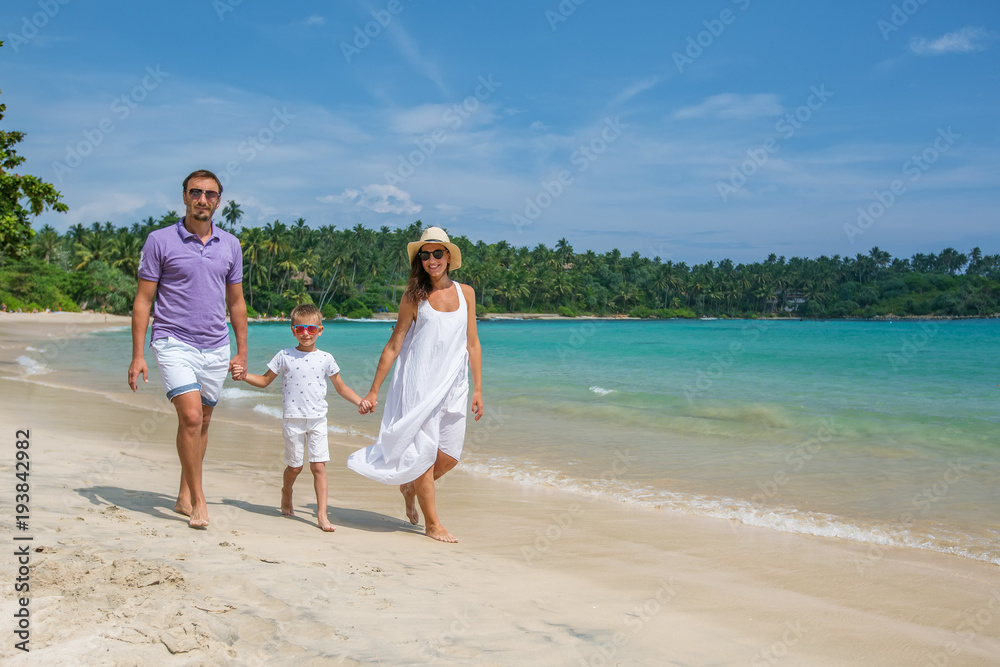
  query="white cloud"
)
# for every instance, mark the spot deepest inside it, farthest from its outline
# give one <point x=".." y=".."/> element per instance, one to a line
<point x="966" y="40"/>
<point x="729" y="106"/>
<point x="538" y="126"/>
<point x="378" y="198"/>
<point x="110" y="206"/>
<point x="419" y="120"/>
<point x="315" y="19"/>
<point x="635" y="89"/>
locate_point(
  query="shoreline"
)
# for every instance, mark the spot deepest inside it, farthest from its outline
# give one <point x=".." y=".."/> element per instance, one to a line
<point x="540" y="576"/>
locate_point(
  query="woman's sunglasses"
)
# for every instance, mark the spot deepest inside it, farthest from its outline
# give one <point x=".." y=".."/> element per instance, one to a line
<point x="425" y="255"/>
<point x="310" y="329"/>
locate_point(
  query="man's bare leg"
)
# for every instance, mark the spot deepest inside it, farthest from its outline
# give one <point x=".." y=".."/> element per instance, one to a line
<point x="319" y="483"/>
<point x="424" y="487"/>
<point x="192" y="442"/>
<point x="287" y="479"/>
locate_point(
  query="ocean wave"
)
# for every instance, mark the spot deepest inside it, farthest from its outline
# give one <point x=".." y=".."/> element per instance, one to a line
<point x="601" y="391"/>
<point x="237" y="393"/>
<point x="782" y="519"/>
<point x="268" y="410"/>
<point x="31" y="366"/>
<point x="346" y="430"/>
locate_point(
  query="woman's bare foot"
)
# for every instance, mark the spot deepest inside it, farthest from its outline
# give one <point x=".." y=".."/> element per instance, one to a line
<point x="199" y="518"/>
<point x="410" y="496"/>
<point x="182" y="509"/>
<point x="325" y="525"/>
<point x="286" y="502"/>
<point x="439" y="533"/>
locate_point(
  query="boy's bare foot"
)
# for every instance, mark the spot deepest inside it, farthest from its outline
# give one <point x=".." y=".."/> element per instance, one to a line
<point x="410" y="497"/>
<point x="325" y="525"/>
<point x="286" y="502"/>
<point x="440" y="534"/>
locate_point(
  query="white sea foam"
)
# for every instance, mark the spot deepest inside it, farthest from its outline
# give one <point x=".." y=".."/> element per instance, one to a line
<point x="234" y="393"/>
<point x="268" y="410"/>
<point x="31" y="366"/>
<point x="601" y="391"/>
<point x="783" y="519"/>
<point x="346" y="430"/>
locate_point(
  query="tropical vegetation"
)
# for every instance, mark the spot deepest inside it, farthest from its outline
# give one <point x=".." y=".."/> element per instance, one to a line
<point x="356" y="271"/>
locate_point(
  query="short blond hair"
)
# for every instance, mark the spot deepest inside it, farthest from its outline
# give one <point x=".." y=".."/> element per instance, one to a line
<point x="306" y="311"/>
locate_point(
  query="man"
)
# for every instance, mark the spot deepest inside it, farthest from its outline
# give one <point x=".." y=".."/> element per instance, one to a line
<point x="193" y="270"/>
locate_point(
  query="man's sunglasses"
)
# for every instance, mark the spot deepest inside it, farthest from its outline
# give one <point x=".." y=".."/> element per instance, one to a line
<point x="425" y="255"/>
<point x="210" y="195"/>
<point x="310" y="329"/>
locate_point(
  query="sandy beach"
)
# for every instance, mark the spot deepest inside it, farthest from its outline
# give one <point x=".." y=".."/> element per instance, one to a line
<point x="539" y="577"/>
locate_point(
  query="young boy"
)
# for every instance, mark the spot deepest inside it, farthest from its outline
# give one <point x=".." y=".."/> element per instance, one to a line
<point x="304" y="407"/>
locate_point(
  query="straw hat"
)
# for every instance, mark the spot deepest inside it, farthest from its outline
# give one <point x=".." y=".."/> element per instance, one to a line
<point x="436" y="235"/>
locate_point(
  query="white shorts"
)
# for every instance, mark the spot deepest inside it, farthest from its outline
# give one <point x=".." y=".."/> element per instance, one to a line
<point x="301" y="430"/>
<point x="185" y="368"/>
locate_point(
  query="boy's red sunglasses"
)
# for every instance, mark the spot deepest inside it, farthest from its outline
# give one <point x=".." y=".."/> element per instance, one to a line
<point x="310" y="329"/>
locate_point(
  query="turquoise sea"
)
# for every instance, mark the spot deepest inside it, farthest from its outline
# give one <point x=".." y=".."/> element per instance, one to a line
<point x="881" y="432"/>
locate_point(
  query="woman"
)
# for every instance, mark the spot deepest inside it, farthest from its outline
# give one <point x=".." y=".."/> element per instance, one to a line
<point x="423" y="424"/>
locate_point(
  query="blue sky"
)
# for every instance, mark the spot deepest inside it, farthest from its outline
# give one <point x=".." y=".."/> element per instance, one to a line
<point x="689" y="131"/>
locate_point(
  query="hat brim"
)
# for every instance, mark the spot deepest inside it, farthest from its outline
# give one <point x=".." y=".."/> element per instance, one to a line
<point x="413" y="248"/>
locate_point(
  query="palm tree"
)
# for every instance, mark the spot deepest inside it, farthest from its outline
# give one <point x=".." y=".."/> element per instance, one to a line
<point x="46" y="242"/>
<point x="252" y="240"/>
<point x="233" y="214"/>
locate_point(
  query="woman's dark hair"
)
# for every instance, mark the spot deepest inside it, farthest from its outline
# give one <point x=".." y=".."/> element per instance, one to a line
<point x="419" y="284"/>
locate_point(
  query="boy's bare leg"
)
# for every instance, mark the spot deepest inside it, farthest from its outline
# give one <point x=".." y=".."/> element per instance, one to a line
<point x="318" y="469"/>
<point x="424" y="487"/>
<point x="287" y="479"/>
<point x="192" y="442"/>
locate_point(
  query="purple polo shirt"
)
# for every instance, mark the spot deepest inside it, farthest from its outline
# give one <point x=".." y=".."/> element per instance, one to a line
<point x="192" y="277"/>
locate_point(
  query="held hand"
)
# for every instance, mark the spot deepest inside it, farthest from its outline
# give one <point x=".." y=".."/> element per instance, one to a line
<point x="364" y="407"/>
<point x="238" y="367"/>
<point x="135" y="369"/>
<point x="372" y="400"/>
<point x="477" y="405"/>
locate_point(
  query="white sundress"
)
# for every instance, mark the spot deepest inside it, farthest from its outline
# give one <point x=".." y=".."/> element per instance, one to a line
<point x="427" y="398"/>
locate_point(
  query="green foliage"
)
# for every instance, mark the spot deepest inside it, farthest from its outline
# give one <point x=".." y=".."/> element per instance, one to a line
<point x="31" y="284"/>
<point x="101" y="287"/>
<point x="362" y="313"/>
<point x="676" y="313"/>
<point x="642" y="312"/>
<point x="356" y="271"/>
<point x="566" y="311"/>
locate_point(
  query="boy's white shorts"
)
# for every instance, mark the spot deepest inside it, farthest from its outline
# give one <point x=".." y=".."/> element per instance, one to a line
<point x="299" y="431"/>
<point x="185" y="368"/>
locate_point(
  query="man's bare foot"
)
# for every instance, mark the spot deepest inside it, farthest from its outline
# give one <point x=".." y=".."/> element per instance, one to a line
<point x="410" y="496"/>
<point x="286" y="502"/>
<point x="439" y="533"/>
<point x="182" y="508"/>
<point x="325" y="525"/>
<point x="199" y="518"/>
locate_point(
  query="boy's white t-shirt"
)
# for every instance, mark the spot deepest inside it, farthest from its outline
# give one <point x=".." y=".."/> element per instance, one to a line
<point x="303" y="381"/>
